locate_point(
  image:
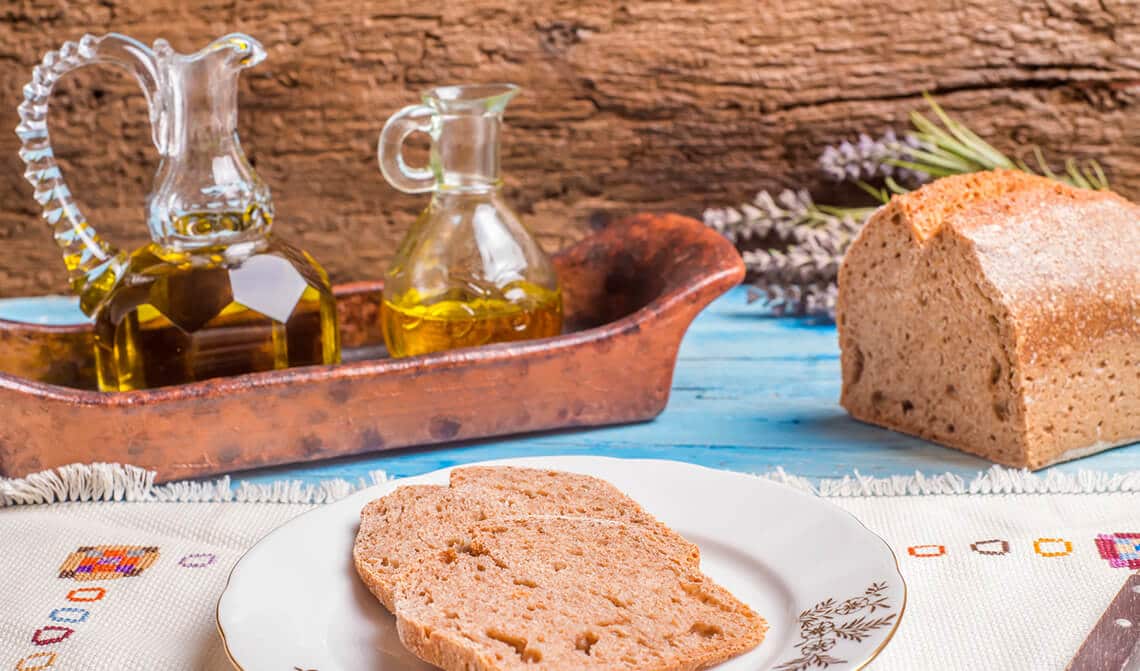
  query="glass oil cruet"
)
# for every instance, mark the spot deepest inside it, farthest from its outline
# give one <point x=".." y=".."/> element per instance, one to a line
<point x="213" y="293"/>
<point x="468" y="272"/>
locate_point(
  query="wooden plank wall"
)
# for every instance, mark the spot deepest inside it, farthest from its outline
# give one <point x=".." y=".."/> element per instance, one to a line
<point x="628" y="105"/>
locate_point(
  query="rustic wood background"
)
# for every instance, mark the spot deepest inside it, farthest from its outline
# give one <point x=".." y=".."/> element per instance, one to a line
<point x="628" y="105"/>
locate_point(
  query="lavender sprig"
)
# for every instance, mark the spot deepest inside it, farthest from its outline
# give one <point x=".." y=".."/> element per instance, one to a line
<point x="791" y="247"/>
<point x="944" y="146"/>
<point x="789" y="217"/>
<point x="817" y="299"/>
<point x="800" y="280"/>
<point x="869" y="160"/>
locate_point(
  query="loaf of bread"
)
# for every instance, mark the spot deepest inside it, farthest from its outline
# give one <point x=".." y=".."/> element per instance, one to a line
<point x="998" y="313"/>
<point x="521" y="568"/>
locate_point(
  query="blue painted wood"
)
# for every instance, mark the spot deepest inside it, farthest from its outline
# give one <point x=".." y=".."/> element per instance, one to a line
<point x="54" y="310"/>
<point x="751" y="393"/>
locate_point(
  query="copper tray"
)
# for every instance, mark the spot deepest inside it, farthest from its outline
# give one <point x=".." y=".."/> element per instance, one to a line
<point x="631" y="291"/>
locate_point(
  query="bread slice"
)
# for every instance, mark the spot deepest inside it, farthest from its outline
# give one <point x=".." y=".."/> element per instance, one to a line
<point x="569" y="593"/>
<point x="399" y="531"/>
<point x="998" y="313"/>
<point x="552" y="492"/>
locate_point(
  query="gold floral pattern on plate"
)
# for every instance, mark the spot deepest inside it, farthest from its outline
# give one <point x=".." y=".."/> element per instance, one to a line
<point x="824" y="625"/>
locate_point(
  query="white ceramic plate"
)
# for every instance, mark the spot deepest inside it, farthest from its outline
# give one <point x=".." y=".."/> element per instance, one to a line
<point x="829" y="588"/>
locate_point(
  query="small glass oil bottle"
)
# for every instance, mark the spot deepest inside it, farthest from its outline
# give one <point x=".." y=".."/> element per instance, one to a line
<point x="468" y="272"/>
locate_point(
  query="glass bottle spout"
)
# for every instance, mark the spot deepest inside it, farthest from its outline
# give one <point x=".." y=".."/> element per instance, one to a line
<point x="464" y="123"/>
<point x="206" y="192"/>
<point x="465" y="155"/>
<point x="237" y="50"/>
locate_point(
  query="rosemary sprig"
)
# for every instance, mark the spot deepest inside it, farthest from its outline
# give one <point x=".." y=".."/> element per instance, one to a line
<point x="949" y="147"/>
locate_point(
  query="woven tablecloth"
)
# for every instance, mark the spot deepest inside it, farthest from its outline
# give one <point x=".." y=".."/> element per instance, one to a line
<point x="997" y="579"/>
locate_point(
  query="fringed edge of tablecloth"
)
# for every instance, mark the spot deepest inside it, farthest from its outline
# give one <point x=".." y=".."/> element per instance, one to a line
<point x="995" y="480"/>
<point x="119" y="482"/>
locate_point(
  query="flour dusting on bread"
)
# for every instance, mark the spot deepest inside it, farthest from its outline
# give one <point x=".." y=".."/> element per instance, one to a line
<point x="998" y="313"/>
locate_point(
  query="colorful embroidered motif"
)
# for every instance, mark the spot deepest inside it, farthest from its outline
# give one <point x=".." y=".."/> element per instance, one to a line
<point x="200" y="560"/>
<point x="51" y="635"/>
<point x="106" y="562"/>
<point x="37" y="662"/>
<point x="1052" y="547"/>
<point x="1122" y="550"/>
<point x="85" y="594"/>
<point x="74" y="615"/>
<point x="994" y="546"/>
<point x="926" y="550"/>
<point x="819" y="630"/>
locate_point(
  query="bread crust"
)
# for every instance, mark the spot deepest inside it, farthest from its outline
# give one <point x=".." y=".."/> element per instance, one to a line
<point x="461" y="567"/>
<point x="998" y="313"/>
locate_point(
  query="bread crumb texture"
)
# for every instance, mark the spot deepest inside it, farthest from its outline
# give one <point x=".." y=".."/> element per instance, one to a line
<point x="998" y="313"/>
<point x="482" y="576"/>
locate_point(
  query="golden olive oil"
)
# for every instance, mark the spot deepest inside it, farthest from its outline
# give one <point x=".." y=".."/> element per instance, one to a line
<point x="184" y="317"/>
<point x="522" y="311"/>
<point x="468" y="272"/>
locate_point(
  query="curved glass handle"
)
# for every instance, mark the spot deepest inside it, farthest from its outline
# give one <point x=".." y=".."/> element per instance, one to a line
<point x="390" y="149"/>
<point x="93" y="265"/>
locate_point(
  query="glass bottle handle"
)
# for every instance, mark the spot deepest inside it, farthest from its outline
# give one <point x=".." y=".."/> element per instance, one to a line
<point x="92" y="263"/>
<point x="390" y="149"/>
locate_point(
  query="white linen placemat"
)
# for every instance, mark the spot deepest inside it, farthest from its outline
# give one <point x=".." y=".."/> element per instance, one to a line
<point x="997" y="580"/>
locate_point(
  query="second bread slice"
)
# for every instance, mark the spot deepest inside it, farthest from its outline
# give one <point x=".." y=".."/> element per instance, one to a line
<point x="568" y="593"/>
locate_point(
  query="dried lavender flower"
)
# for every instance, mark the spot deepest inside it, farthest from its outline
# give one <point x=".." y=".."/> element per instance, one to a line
<point x="726" y="221"/>
<point x="789" y="217"/>
<point x="799" y="264"/>
<point x="802" y="279"/>
<point x="791" y="247"/>
<point x="796" y="300"/>
<point x="868" y="160"/>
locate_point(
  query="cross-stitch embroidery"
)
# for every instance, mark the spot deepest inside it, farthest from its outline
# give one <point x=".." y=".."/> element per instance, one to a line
<point x="51" y="634"/>
<point x="991" y="547"/>
<point x="86" y="594"/>
<point x="198" y="560"/>
<point x="75" y="615"/>
<point x="36" y="662"/>
<point x="106" y="562"/>
<point x="1122" y="550"/>
<point x="926" y="550"/>
<point x="1052" y="547"/>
